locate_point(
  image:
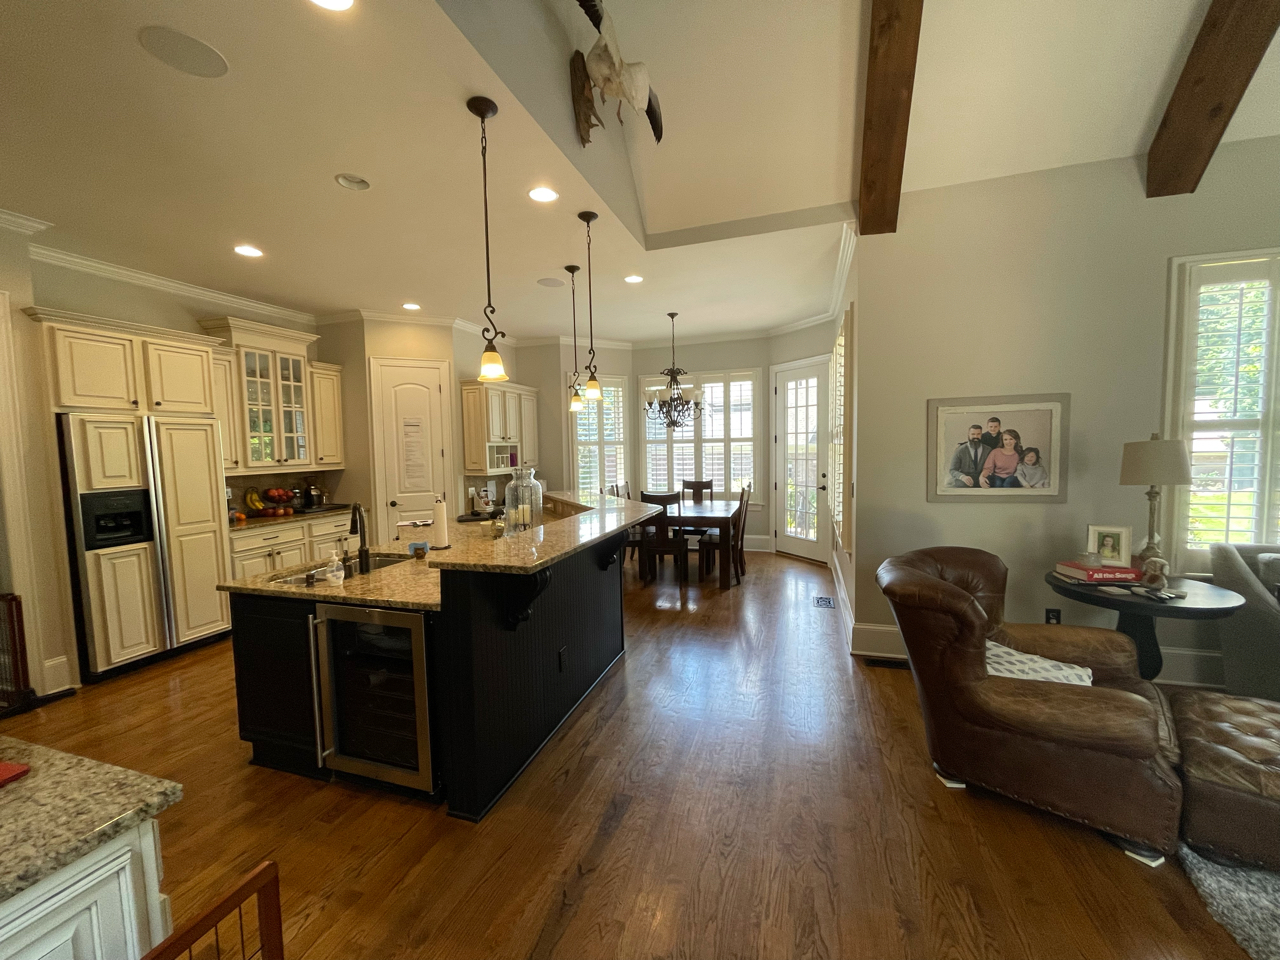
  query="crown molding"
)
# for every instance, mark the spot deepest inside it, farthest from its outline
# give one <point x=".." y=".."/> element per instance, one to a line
<point x="839" y="283"/>
<point x="140" y="278"/>
<point x="582" y="342"/>
<point x="20" y="224"/>
<point x="350" y="316"/>
<point x="53" y="315"/>
<point x="234" y="331"/>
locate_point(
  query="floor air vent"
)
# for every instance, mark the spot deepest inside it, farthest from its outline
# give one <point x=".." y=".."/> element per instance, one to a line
<point x="823" y="602"/>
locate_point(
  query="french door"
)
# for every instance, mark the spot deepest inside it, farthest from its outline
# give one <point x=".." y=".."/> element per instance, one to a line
<point x="802" y="521"/>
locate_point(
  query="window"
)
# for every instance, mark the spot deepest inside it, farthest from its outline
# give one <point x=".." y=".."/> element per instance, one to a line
<point x="1226" y="406"/>
<point x="719" y="446"/>
<point x="599" y="438"/>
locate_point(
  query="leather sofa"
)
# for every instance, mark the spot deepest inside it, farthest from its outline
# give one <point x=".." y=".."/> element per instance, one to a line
<point x="1103" y="755"/>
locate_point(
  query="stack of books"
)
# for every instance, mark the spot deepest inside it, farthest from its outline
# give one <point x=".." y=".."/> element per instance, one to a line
<point x="1073" y="570"/>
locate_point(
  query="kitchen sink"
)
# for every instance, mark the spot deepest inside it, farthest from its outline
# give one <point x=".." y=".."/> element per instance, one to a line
<point x="300" y="579"/>
<point x="377" y="563"/>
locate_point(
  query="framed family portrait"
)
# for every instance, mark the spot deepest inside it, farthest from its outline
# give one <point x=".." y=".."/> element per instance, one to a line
<point x="1009" y="449"/>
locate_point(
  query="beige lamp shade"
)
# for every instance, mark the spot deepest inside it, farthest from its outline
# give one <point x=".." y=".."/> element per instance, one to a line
<point x="1155" y="462"/>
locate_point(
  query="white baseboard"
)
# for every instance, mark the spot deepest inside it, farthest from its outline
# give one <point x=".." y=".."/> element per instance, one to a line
<point x="842" y="595"/>
<point x="878" y="640"/>
<point x="1186" y="666"/>
<point x="758" y="542"/>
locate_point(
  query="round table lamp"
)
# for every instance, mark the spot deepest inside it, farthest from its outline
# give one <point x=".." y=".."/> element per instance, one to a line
<point x="1154" y="463"/>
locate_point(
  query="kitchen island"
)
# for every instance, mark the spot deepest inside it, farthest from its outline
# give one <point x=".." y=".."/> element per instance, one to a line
<point x="444" y="674"/>
<point x="80" y="856"/>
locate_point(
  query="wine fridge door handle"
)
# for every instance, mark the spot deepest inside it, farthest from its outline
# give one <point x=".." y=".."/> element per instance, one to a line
<point x="312" y="642"/>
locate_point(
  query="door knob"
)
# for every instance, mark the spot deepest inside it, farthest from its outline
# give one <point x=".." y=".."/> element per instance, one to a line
<point x="394" y="504"/>
<point x="823" y="487"/>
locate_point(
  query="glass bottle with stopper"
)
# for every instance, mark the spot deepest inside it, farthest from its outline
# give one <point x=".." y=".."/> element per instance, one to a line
<point x="523" y="501"/>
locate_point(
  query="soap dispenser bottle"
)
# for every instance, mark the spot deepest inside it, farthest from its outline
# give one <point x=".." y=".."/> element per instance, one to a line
<point x="333" y="571"/>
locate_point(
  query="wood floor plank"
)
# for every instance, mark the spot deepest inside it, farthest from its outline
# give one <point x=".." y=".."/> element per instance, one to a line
<point x="736" y="786"/>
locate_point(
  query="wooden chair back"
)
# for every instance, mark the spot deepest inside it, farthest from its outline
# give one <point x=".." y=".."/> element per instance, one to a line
<point x="664" y="524"/>
<point x="701" y="489"/>
<point x="739" y="529"/>
<point x="621" y="490"/>
<point x="263" y="882"/>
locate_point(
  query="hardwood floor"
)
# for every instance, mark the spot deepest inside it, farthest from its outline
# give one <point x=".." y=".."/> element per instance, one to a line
<point x="737" y="786"/>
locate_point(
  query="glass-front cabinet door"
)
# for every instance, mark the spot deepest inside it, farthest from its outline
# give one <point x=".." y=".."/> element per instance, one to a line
<point x="294" y="447"/>
<point x="260" y="404"/>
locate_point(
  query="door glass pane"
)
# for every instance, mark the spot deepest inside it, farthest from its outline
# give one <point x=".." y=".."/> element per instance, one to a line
<point x="297" y="370"/>
<point x="257" y="371"/>
<point x="292" y="403"/>
<point x="800" y="459"/>
<point x="251" y="365"/>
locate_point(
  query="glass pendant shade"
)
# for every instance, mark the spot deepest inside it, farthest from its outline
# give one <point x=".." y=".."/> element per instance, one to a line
<point x="575" y="401"/>
<point x="593" y="388"/>
<point x="491" y="368"/>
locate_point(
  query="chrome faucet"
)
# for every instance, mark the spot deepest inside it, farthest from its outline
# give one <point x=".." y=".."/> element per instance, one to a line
<point x="359" y="526"/>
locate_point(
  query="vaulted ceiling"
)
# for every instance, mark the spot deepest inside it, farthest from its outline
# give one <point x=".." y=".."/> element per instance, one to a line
<point x="734" y="219"/>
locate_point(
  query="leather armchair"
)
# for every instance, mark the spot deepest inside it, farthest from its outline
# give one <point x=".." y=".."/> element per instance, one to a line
<point x="1102" y="755"/>
<point x="1250" y="637"/>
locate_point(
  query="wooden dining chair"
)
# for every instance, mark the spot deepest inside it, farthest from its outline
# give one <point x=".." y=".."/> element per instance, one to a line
<point x="737" y="553"/>
<point x="663" y="538"/>
<point x="634" y="534"/>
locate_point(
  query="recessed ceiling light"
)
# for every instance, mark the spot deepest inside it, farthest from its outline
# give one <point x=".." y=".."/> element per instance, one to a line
<point x="334" y="4"/>
<point x="182" y="52"/>
<point x="633" y="279"/>
<point x="543" y="194"/>
<point x="551" y="282"/>
<point x="411" y="306"/>
<point x="245" y="250"/>
<point x="352" y="182"/>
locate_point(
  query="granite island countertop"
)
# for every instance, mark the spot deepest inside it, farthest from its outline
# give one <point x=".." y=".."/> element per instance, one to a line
<point x="66" y="807"/>
<point x="571" y="523"/>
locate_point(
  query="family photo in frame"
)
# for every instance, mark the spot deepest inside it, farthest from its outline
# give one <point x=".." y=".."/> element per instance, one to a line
<point x="1002" y="449"/>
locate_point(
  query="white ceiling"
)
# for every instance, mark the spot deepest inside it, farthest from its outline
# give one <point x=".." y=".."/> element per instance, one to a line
<point x="142" y="166"/>
<point x="1006" y="86"/>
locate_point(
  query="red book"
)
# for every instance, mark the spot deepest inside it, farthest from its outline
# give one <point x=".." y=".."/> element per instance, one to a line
<point x="1078" y="571"/>
<point x="10" y="772"/>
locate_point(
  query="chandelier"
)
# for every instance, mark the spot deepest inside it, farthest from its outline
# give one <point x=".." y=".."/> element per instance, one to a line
<point x="670" y="406"/>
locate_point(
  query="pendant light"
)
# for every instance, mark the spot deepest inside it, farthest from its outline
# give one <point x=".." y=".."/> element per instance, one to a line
<point x="491" y="369"/>
<point x="593" y="384"/>
<point x="671" y="407"/>
<point x="575" y="398"/>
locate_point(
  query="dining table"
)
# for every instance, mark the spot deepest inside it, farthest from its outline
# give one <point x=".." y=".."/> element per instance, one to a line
<point x="720" y="515"/>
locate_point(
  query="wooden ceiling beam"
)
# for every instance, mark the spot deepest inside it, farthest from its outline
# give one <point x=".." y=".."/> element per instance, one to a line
<point x="891" y="74"/>
<point x="1232" y="40"/>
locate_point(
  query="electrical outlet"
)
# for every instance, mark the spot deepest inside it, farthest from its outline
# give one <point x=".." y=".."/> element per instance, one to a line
<point x="1052" y="615"/>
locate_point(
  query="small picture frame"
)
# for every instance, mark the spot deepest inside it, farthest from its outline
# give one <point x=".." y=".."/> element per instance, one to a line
<point x="1112" y="544"/>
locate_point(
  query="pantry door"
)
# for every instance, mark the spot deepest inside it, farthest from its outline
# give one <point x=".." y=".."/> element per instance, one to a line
<point x="412" y="441"/>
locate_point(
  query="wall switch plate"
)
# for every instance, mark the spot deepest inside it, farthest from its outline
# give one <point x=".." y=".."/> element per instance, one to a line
<point x="1052" y="615"/>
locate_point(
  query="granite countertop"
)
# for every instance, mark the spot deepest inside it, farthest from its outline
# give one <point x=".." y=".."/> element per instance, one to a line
<point x="65" y="807"/>
<point x="415" y="584"/>
<point x="255" y="522"/>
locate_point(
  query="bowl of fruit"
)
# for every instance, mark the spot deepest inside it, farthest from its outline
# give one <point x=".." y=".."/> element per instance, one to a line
<point x="275" y="502"/>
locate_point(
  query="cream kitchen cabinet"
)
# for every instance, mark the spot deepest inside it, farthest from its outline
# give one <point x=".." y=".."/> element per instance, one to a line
<point x="101" y="364"/>
<point x="253" y="563"/>
<point x="273" y="397"/>
<point x="499" y="423"/>
<point x="288" y="543"/>
<point x="226" y="411"/>
<point x="108" y="452"/>
<point x="179" y="378"/>
<point x="125" y="606"/>
<point x="326" y="403"/>
<point x="528" y="429"/>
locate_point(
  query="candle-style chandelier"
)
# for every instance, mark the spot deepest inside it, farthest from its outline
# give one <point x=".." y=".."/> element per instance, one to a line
<point x="670" y="406"/>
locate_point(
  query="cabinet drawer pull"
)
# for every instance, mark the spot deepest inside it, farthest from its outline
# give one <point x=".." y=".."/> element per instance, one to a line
<point x="157" y="403"/>
<point x="276" y="537"/>
<point x="134" y="402"/>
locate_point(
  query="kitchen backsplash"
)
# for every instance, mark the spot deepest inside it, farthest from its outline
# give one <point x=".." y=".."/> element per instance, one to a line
<point x="325" y="480"/>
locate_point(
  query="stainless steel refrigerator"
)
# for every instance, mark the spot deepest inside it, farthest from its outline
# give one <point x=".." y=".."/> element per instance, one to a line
<point x="147" y="534"/>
